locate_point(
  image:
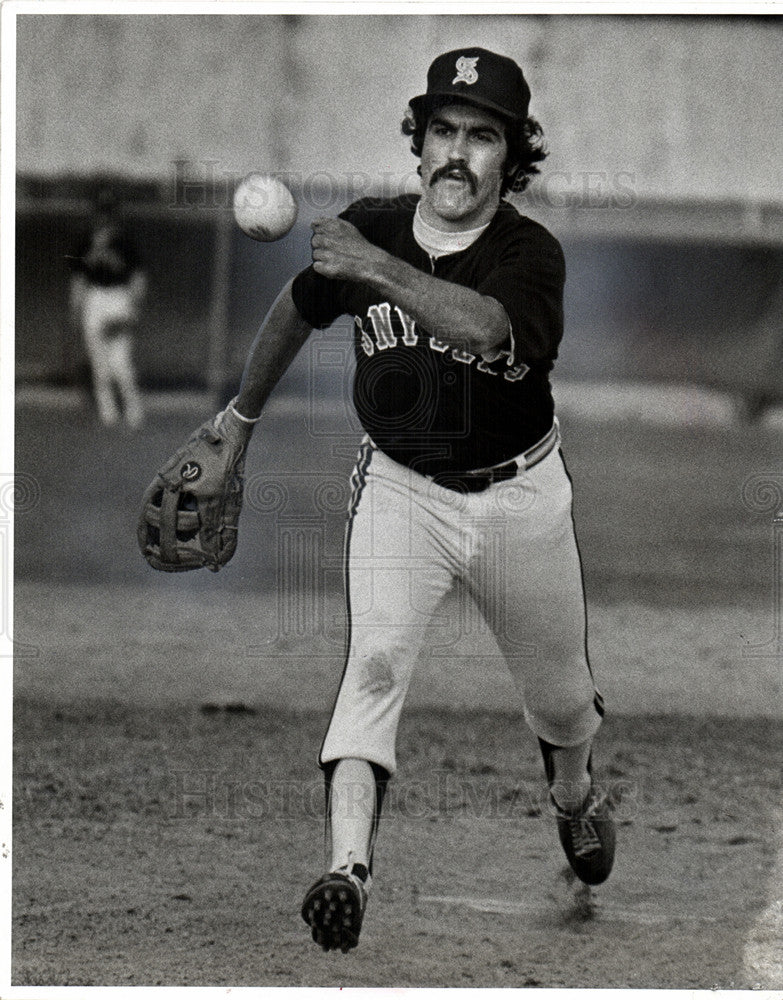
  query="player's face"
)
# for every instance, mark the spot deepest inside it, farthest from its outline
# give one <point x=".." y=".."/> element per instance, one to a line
<point x="462" y="162"/>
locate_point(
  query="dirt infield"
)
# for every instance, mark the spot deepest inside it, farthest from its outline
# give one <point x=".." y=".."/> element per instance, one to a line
<point x="171" y="847"/>
<point x="155" y="843"/>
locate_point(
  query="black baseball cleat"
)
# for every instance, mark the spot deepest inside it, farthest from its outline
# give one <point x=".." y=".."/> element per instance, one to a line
<point x="588" y="837"/>
<point x="334" y="907"/>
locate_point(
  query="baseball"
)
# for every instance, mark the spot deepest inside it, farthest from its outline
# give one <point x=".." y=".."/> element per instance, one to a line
<point x="264" y="208"/>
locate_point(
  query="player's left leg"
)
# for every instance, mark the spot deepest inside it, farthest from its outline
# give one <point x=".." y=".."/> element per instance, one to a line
<point x="584" y="818"/>
<point x="533" y="597"/>
<point x="568" y="772"/>
<point x="120" y="346"/>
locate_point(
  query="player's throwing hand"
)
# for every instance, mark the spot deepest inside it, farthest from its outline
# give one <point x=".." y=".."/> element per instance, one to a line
<point x="340" y="250"/>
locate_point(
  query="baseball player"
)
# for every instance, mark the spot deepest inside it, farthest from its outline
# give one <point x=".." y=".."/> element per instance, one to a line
<point x="457" y="305"/>
<point x="107" y="287"/>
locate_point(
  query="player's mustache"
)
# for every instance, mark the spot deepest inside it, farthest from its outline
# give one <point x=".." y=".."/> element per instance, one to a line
<point x="459" y="167"/>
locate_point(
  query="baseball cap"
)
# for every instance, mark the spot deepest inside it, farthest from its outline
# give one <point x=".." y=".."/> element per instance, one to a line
<point x="479" y="77"/>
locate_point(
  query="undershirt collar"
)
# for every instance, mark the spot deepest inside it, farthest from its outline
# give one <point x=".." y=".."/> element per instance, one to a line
<point x="436" y="242"/>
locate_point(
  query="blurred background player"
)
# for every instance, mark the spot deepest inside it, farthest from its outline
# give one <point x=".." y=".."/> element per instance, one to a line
<point x="107" y="288"/>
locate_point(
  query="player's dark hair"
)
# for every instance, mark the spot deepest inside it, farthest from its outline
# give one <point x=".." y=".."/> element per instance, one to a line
<point x="525" y="141"/>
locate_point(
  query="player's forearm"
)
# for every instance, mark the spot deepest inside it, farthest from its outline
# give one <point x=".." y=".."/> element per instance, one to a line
<point x="277" y="343"/>
<point x="454" y="314"/>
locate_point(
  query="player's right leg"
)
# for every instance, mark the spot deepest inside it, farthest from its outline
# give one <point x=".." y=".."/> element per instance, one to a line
<point x="398" y="570"/>
<point x="396" y="575"/>
<point x="94" y="318"/>
<point x="334" y="906"/>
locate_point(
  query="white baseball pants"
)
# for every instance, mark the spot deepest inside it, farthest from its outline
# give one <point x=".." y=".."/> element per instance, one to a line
<point x="110" y="353"/>
<point x="512" y="545"/>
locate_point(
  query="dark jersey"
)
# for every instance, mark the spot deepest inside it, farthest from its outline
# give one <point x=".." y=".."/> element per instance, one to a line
<point x="106" y="257"/>
<point x="424" y="399"/>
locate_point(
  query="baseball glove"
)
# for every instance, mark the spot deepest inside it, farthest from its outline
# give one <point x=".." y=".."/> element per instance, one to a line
<point x="190" y="511"/>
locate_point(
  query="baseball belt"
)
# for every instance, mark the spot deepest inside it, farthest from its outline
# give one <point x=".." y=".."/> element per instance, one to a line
<point x="478" y="480"/>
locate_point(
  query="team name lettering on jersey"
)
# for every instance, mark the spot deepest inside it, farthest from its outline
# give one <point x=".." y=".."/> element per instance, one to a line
<point x="383" y="330"/>
<point x="380" y="317"/>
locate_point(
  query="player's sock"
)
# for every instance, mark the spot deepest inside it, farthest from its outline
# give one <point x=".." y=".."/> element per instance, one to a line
<point x="568" y="773"/>
<point x="355" y="790"/>
<point x="351" y="812"/>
